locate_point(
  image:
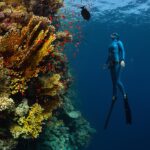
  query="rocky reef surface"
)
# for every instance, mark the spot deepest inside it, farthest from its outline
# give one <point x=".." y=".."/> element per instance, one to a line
<point x="36" y="109"/>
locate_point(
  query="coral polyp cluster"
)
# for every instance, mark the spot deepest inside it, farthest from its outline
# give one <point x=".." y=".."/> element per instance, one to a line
<point x="34" y="72"/>
<point x="13" y="15"/>
<point x="31" y="125"/>
<point x="52" y="86"/>
<point x="6" y="104"/>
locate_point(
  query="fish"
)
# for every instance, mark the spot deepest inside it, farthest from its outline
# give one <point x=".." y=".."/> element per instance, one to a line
<point x="63" y="16"/>
<point x="85" y="13"/>
<point x="50" y="18"/>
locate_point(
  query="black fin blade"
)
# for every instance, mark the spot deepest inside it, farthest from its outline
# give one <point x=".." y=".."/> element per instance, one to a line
<point x="127" y="112"/>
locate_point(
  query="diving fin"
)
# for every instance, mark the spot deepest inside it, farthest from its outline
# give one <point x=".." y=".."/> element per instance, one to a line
<point x="109" y="113"/>
<point x="127" y="111"/>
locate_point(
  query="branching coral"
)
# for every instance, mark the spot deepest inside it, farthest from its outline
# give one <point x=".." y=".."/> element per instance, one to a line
<point x="31" y="125"/>
<point x="28" y="44"/>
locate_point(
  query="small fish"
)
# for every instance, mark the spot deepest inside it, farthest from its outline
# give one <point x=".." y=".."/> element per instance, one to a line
<point x="52" y="54"/>
<point x="70" y="27"/>
<point x="57" y="25"/>
<point x="70" y="23"/>
<point x="50" y="18"/>
<point x="63" y="16"/>
<point x="85" y="13"/>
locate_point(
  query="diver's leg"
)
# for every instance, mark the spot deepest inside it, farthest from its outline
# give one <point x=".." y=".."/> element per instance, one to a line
<point x="119" y="83"/>
<point x="114" y="81"/>
<point x="128" y="113"/>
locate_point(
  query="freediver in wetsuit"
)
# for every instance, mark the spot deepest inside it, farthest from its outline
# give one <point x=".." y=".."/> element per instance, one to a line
<point x="115" y="62"/>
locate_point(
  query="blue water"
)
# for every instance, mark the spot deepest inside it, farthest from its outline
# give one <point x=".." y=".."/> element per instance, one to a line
<point x="94" y="85"/>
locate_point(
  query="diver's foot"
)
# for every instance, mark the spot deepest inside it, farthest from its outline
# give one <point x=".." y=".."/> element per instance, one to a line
<point x="114" y="98"/>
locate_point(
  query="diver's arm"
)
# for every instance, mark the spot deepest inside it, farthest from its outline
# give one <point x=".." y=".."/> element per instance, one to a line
<point x="122" y="53"/>
<point x="121" y="46"/>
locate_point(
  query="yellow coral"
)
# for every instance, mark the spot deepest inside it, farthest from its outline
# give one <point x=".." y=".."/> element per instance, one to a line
<point x="10" y="42"/>
<point x="17" y="83"/>
<point x="26" y="46"/>
<point x="64" y="36"/>
<point x="44" y="51"/>
<point x="30" y="126"/>
<point x="51" y="86"/>
<point x="23" y="52"/>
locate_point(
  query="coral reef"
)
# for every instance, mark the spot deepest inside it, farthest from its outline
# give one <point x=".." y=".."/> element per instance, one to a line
<point x="12" y="15"/>
<point x="35" y="79"/>
<point x="52" y="85"/>
<point x="45" y="7"/>
<point x="22" y="109"/>
<point x="66" y="131"/>
<point x="31" y="125"/>
<point x="6" y="104"/>
<point x="7" y="144"/>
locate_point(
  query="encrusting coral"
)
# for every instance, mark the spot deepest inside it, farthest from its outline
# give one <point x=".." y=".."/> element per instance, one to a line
<point x="6" y="104"/>
<point x="13" y="15"/>
<point x="34" y="72"/>
<point x="8" y="144"/>
<point x="22" y="109"/>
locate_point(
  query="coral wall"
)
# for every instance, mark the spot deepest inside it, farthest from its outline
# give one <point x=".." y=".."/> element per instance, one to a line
<point x="35" y="78"/>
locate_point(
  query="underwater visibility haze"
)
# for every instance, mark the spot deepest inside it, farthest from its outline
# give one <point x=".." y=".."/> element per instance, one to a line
<point x="131" y="19"/>
<point x="55" y="93"/>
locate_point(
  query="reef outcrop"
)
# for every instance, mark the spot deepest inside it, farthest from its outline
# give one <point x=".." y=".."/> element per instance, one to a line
<point x="35" y="80"/>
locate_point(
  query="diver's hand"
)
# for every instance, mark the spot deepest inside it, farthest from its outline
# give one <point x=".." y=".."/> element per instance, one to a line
<point x="122" y="63"/>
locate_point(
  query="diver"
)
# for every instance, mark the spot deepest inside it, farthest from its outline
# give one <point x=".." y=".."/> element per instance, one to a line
<point x="115" y="62"/>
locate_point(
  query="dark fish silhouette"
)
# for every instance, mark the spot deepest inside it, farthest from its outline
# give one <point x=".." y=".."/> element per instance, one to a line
<point x="85" y="13"/>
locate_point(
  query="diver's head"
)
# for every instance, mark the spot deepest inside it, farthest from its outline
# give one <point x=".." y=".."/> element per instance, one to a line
<point x="82" y="7"/>
<point x="114" y="36"/>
